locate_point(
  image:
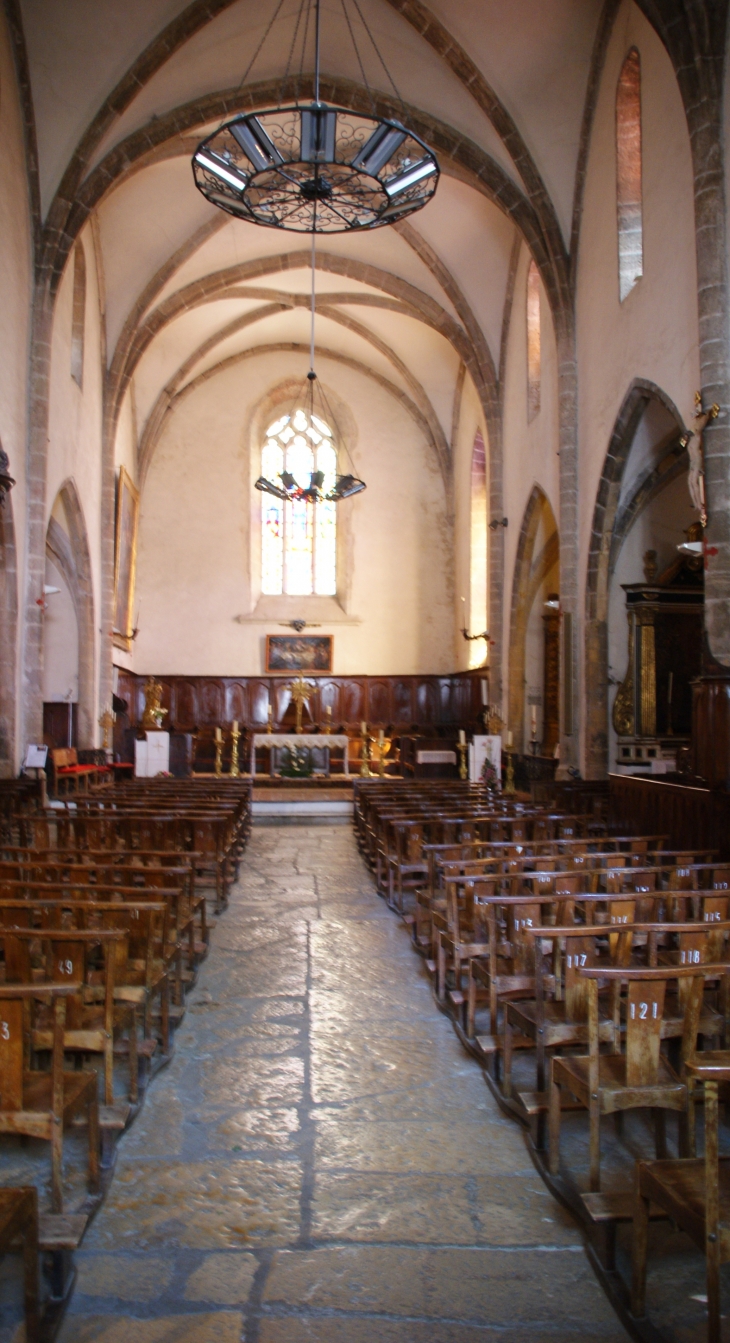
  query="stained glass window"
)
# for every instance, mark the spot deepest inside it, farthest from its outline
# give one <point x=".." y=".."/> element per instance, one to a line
<point x="299" y="539"/>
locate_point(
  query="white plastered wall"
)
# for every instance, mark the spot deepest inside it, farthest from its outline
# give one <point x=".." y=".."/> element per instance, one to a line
<point x="197" y="523"/>
<point x="653" y="334"/>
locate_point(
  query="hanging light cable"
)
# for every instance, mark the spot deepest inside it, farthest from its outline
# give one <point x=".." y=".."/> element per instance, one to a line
<point x="311" y="418"/>
<point x="316" y="168"/>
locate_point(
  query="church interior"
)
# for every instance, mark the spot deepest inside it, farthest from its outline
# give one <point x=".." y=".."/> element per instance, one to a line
<point x="355" y="939"/>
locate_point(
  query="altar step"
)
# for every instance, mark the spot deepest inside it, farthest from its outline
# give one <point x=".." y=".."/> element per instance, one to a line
<point x="302" y="803"/>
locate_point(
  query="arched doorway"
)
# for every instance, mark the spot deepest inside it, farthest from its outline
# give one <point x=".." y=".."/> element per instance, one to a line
<point x="534" y="630"/>
<point x="645" y="460"/>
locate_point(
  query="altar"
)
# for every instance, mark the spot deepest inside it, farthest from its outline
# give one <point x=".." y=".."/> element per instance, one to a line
<point x="320" y="741"/>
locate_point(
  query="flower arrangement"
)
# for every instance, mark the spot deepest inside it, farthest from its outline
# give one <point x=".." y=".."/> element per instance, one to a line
<point x="489" y="774"/>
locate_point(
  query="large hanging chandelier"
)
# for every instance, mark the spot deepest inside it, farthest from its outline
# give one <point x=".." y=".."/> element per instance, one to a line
<point x="316" y="168"/>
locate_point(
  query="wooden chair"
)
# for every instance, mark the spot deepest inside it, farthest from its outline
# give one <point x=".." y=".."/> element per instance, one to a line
<point x="694" y="1193"/>
<point x="19" y="1222"/>
<point x="41" y="1104"/>
<point x="640" y="1078"/>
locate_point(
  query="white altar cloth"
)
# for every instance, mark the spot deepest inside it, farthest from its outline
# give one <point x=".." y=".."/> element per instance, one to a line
<point x="322" y="740"/>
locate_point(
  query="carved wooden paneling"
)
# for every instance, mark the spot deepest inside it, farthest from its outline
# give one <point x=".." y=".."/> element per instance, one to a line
<point x="258" y="702"/>
<point x="379" y="701"/>
<point x="236" y="701"/>
<point x="353" y="700"/>
<point x="403" y="706"/>
<point x="427" y="702"/>
<point x="446" y="698"/>
<point x="185" y="708"/>
<point x="329" y="696"/>
<point x="206" y="701"/>
<point x="211" y="702"/>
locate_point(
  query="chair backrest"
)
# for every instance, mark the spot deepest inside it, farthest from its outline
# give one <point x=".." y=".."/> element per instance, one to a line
<point x="12" y="1053"/>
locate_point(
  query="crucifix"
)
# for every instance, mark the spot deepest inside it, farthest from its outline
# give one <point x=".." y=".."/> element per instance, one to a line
<point x="300" y="693"/>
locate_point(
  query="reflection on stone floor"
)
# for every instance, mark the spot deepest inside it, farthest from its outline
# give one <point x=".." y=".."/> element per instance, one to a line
<point x="321" y="1163"/>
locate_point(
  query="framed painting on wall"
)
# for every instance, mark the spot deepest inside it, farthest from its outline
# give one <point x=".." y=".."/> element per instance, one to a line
<point x="286" y="653"/>
<point x="125" y="559"/>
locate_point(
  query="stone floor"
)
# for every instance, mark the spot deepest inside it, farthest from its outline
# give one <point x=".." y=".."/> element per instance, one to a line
<point x="321" y="1163"/>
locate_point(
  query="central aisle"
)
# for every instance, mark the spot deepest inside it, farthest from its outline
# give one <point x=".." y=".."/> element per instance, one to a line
<point x="321" y="1162"/>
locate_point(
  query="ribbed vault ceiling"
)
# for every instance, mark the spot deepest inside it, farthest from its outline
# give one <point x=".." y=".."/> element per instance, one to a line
<point x="122" y="90"/>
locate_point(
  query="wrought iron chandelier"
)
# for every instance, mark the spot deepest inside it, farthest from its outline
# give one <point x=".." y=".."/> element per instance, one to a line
<point x="310" y="424"/>
<point x="316" y="168"/>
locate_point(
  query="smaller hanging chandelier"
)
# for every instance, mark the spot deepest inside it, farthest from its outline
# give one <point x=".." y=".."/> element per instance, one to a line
<point x="316" y="168"/>
<point x="307" y="430"/>
<point x="303" y="429"/>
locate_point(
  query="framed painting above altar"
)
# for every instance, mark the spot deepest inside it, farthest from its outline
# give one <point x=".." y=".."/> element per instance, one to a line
<point x="125" y="560"/>
<point x="287" y="653"/>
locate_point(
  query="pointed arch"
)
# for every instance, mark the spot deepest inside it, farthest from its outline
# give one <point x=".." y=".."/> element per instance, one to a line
<point x="531" y="569"/>
<point x="601" y="560"/>
<point x="70" y="552"/>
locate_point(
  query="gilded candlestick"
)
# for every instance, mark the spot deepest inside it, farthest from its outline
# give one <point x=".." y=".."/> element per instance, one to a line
<point x="235" y="735"/>
<point x="365" y="772"/>
<point x="509" y="783"/>
<point x="463" y="747"/>
<point x="218" y="753"/>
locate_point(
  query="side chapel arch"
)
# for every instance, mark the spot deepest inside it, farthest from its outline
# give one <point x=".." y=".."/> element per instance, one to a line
<point x="532" y="567"/>
<point x="70" y="553"/>
<point x="608" y="532"/>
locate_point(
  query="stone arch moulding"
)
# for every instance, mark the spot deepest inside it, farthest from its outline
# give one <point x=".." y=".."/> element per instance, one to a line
<point x="601" y="558"/>
<point x="530" y="571"/>
<point x="71" y="554"/>
<point x="8" y="638"/>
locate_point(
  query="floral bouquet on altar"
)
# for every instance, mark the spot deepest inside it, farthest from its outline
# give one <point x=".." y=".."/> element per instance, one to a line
<point x="296" y="762"/>
<point x="489" y="774"/>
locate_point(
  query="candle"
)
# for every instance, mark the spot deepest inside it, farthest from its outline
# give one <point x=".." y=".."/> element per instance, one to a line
<point x="670" y="687"/>
<point x="328" y="710"/>
<point x="509" y="739"/>
<point x="269" y="713"/>
<point x="485" y="693"/>
<point x="235" y="726"/>
<point x="462" y="737"/>
<point x="217" y="734"/>
<point x="533" y="719"/>
<point x="364" y="729"/>
<point x="381" y="735"/>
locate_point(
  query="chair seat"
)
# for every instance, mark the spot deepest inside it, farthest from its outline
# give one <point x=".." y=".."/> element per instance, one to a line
<point x="613" y="1090"/>
<point x="679" y="1187"/>
<point x="524" y="1015"/>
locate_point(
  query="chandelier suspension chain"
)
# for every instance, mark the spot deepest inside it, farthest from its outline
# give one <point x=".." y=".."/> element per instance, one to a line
<point x="271" y="23"/>
<point x="359" y="57"/>
<point x="295" y="34"/>
<point x="378" y="53"/>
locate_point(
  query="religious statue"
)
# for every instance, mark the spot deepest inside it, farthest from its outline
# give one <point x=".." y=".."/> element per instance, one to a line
<point x="692" y="441"/>
<point x="153" y="710"/>
<point x="301" y="693"/>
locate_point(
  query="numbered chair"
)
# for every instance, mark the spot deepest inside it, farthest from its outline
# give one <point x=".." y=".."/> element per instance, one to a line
<point x="695" y="1194"/>
<point x="639" y="1077"/>
<point x="42" y="1104"/>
